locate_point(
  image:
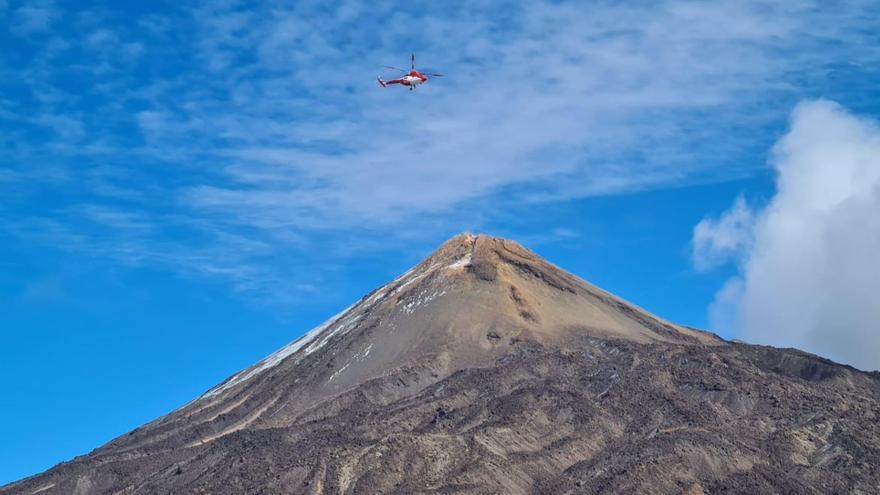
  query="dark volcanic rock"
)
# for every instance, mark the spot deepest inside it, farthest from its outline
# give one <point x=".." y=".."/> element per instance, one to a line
<point x="486" y="370"/>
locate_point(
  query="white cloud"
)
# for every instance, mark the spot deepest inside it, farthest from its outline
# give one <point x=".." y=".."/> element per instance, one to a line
<point x="811" y="277"/>
<point x="723" y="310"/>
<point x="717" y="241"/>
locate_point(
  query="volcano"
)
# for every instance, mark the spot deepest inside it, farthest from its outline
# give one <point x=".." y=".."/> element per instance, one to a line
<point x="485" y="369"/>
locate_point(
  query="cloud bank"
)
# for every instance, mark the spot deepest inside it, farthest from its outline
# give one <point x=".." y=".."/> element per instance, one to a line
<point x="810" y="260"/>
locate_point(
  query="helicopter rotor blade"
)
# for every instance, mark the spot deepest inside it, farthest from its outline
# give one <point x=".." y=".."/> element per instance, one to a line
<point x="433" y="75"/>
<point x="395" y="68"/>
<point x="413" y="61"/>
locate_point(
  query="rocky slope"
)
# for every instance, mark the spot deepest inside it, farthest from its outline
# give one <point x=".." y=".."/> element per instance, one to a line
<point x="485" y="369"/>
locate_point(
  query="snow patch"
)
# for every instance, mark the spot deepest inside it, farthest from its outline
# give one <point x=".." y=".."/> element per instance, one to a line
<point x="340" y="370"/>
<point x="420" y="299"/>
<point x="463" y="262"/>
<point x="415" y="278"/>
<point x="363" y="353"/>
<point x="341" y="329"/>
<point x="378" y="295"/>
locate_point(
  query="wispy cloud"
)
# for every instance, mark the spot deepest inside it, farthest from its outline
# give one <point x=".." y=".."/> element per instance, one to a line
<point x="33" y="17"/>
<point x="716" y="241"/>
<point x="231" y="121"/>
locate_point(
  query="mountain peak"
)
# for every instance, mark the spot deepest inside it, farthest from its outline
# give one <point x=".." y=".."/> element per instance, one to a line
<point x="470" y="301"/>
<point x="470" y="241"/>
<point x="482" y="255"/>
<point x="467" y="244"/>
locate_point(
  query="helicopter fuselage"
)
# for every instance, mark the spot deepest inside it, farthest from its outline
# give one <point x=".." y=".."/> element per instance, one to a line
<point x="414" y="78"/>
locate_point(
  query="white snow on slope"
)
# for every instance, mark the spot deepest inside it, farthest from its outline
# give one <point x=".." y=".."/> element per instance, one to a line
<point x="463" y="262"/>
<point x="423" y="298"/>
<point x="342" y="328"/>
<point x="340" y="324"/>
<point x="415" y="278"/>
<point x="277" y="356"/>
<point x="307" y="339"/>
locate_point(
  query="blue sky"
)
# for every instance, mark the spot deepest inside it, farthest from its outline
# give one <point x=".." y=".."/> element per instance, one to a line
<point x="186" y="187"/>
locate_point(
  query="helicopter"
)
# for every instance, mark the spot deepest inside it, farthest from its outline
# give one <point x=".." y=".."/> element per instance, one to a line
<point x="411" y="79"/>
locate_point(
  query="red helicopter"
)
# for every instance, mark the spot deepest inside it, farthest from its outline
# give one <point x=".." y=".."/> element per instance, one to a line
<point x="412" y="78"/>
